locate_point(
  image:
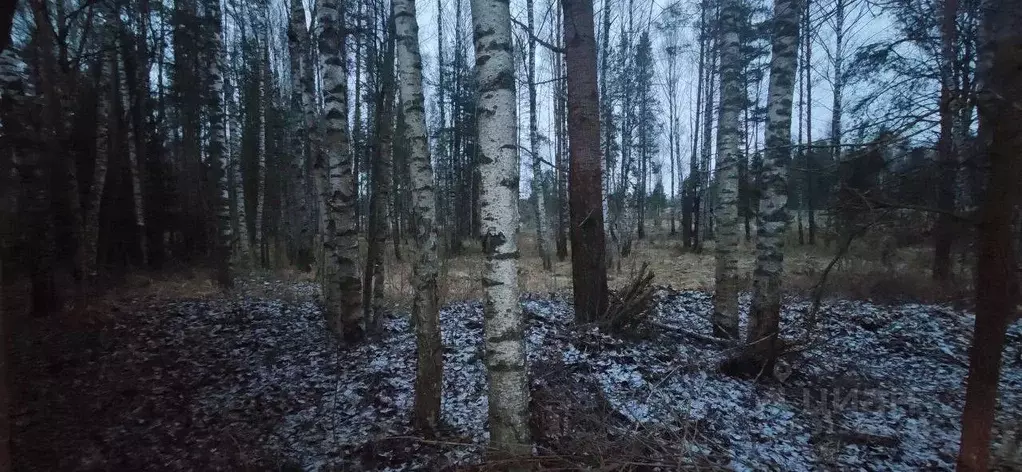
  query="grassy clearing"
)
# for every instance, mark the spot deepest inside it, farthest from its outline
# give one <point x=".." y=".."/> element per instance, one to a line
<point x="872" y="269"/>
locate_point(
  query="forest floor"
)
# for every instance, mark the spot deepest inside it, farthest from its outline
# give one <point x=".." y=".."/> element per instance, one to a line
<point x="179" y="376"/>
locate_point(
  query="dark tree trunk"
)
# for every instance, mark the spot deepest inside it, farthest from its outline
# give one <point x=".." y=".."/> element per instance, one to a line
<point x="382" y="169"/>
<point x="810" y="167"/>
<point x="946" y="149"/>
<point x="997" y="290"/>
<point x="588" y="259"/>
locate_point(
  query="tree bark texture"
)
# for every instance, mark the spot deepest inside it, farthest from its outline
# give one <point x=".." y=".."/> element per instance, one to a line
<point x="999" y="91"/>
<point x="773" y="218"/>
<point x="342" y="287"/>
<point x="382" y="173"/>
<point x="217" y="151"/>
<point x="425" y="305"/>
<point x="588" y="246"/>
<point x="503" y="331"/>
<point x="725" y="306"/>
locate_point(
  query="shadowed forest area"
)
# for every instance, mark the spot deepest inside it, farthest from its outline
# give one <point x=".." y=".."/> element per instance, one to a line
<point x="723" y="235"/>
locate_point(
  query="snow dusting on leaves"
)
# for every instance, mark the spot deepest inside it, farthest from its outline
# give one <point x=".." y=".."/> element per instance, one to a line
<point x="254" y="379"/>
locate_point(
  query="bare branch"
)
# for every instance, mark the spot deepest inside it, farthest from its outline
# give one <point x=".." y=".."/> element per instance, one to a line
<point x="537" y="39"/>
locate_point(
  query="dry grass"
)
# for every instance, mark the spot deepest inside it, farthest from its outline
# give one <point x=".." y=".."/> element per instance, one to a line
<point x="864" y="273"/>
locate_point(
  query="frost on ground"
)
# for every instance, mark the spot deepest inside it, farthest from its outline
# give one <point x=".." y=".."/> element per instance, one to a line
<point x="255" y="381"/>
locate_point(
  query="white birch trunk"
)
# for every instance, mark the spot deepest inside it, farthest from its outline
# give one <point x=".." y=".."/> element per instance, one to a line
<point x="342" y="286"/>
<point x="242" y="241"/>
<point x="725" y="310"/>
<point x="217" y="146"/>
<point x="261" y="174"/>
<point x="425" y="305"/>
<point x="90" y="257"/>
<point x="773" y="218"/>
<point x="544" y="237"/>
<point x="136" y="181"/>
<point x="504" y="326"/>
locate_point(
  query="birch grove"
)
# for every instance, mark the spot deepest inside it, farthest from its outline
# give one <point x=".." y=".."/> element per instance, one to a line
<point x="339" y="219"/>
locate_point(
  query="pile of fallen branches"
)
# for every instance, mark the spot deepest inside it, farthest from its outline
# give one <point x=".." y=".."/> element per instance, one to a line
<point x="629" y="307"/>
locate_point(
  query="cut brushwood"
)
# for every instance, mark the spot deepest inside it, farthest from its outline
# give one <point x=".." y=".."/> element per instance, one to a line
<point x="629" y="307"/>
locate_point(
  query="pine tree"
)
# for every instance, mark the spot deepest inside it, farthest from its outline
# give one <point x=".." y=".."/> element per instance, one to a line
<point x="588" y="250"/>
<point x="647" y="124"/>
<point x="998" y="76"/>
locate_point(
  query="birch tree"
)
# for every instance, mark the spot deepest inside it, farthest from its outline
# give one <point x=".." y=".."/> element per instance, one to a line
<point x="106" y="62"/>
<point x="560" y="140"/>
<point x="138" y="211"/>
<point x="299" y="214"/>
<point x="262" y="76"/>
<point x="544" y="237"/>
<point x="725" y="308"/>
<point x="498" y="158"/>
<point x="425" y="305"/>
<point x="772" y="221"/>
<point x="342" y="287"/>
<point x="217" y="146"/>
<point x="382" y="173"/>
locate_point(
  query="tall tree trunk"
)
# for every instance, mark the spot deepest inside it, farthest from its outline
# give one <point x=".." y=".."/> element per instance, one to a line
<point x="947" y="147"/>
<point x="443" y="157"/>
<point x="317" y="158"/>
<point x="560" y="140"/>
<point x="810" y="160"/>
<point x="358" y="132"/>
<point x="217" y="145"/>
<point x="243" y="242"/>
<point x="382" y="170"/>
<point x="136" y="181"/>
<point x="838" y="79"/>
<point x="342" y="287"/>
<point x="695" y="168"/>
<point x="772" y="220"/>
<point x="725" y="309"/>
<point x="263" y="104"/>
<point x="606" y="102"/>
<point x="999" y="90"/>
<point x="36" y="176"/>
<point x="503" y="324"/>
<point x="672" y="108"/>
<point x="709" y="100"/>
<point x="588" y="262"/>
<point x="89" y="259"/>
<point x="297" y="218"/>
<point x="12" y="87"/>
<point x="425" y="305"/>
<point x="838" y="86"/>
<point x="544" y="237"/>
